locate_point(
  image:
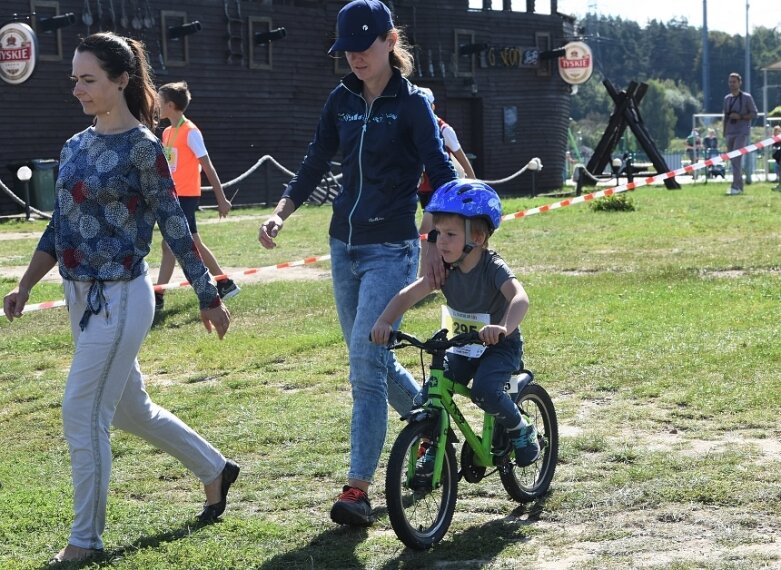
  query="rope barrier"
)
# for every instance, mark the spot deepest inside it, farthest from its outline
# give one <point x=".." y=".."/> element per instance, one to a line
<point x="534" y="164"/>
<point x="689" y="169"/>
<point x="22" y="203"/>
<point x="254" y="167"/>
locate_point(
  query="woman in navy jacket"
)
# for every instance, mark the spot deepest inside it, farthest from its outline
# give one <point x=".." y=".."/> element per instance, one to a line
<point x="387" y="133"/>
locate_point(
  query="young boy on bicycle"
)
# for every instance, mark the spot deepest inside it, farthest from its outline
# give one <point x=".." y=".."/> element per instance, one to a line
<point x="482" y="294"/>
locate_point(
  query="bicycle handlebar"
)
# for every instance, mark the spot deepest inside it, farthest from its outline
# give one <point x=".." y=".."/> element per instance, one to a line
<point x="437" y="342"/>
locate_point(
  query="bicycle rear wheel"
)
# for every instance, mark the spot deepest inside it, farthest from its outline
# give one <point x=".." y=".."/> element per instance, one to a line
<point x="525" y="484"/>
<point x="420" y="518"/>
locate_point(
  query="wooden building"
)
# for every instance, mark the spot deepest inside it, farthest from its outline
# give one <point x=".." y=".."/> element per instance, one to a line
<point x="251" y="100"/>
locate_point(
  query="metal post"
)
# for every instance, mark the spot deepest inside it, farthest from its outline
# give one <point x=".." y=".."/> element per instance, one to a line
<point x="765" y="122"/>
<point x="268" y="184"/>
<point x="747" y="75"/>
<point x="705" y="59"/>
<point x="24" y="174"/>
<point x="26" y="199"/>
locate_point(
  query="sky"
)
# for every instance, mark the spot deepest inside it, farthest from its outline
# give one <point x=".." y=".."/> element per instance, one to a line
<point x="723" y="15"/>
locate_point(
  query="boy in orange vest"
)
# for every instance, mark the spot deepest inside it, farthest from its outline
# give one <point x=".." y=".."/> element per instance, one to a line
<point x="186" y="154"/>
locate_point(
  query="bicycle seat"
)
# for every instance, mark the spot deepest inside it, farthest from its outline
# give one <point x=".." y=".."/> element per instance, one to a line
<point x="518" y="381"/>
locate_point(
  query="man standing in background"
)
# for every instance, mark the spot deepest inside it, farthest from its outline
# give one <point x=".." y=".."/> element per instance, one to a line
<point x="739" y="111"/>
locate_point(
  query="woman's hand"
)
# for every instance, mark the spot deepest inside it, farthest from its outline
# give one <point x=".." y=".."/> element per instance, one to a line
<point x="269" y="230"/>
<point x="433" y="268"/>
<point x="218" y="318"/>
<point x="14" y="302"/>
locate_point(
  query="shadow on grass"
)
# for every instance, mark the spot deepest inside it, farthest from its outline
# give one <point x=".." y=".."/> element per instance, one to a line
<point x="110" y="557"/>
<point x="334" y="548"/>
<point x="175" y="316"/>
<point x="476" y="546"/>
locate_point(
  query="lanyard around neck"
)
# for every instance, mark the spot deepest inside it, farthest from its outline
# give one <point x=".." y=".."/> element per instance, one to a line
<point x="171" y="140"/>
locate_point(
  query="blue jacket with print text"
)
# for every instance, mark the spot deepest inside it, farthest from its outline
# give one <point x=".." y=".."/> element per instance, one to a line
<point x="384" y="147"/>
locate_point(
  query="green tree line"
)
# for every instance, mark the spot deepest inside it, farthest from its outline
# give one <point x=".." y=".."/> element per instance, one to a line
<point x="668" y="57"/>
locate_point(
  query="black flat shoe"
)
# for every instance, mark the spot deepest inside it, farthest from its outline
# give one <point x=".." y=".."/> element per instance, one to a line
<point x="210" y="513"/>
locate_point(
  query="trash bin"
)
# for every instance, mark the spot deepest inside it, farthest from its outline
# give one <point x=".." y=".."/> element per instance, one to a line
<point x="41" y="184"/>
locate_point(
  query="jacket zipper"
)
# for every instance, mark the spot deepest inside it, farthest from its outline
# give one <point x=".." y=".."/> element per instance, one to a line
<point x="360" y="164"/>
<point x="360" y="171"/>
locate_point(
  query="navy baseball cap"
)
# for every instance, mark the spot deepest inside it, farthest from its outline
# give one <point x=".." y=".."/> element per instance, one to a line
<point x="359" y="23"/>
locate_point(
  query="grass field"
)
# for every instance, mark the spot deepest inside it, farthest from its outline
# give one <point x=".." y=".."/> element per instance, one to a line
<point x="655" y="332"/>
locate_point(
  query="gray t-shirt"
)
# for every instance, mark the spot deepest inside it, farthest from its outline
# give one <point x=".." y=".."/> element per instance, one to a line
<point x="742" y="103"/>
<point x="479" y="291"/>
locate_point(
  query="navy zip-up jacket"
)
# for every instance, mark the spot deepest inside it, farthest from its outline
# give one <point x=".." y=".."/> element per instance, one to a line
<point x="384" y="148"/>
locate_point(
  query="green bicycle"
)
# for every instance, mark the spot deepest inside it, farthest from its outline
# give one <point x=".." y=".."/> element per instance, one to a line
<point x="421" y="513"/>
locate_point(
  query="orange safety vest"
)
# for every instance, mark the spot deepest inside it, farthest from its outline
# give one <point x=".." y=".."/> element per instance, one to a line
<point x="185" y="166"/>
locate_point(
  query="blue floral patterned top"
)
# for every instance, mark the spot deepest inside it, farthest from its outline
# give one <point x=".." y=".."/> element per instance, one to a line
<point x="110" y="191"/>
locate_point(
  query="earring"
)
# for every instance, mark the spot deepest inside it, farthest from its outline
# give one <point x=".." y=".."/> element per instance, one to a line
<point x="120" y="88"/>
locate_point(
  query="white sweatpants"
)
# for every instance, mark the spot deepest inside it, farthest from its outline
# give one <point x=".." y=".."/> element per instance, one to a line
<point x="105" y="387"/>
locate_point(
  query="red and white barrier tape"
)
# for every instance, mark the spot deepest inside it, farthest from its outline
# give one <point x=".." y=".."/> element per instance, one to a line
<point x="523" y="214"/>
<point x="644" y="182"/>
<point x="287" y="264"/>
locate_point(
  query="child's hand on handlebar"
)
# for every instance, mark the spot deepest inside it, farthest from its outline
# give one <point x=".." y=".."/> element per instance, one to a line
<point x="492" y="334"/>
<point x="381" y="332"/>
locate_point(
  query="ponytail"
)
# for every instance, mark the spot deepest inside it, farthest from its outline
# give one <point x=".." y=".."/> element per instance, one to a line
<point x="140" y="93"/>
<point x="118" y="55"/>
<point x="401" y="57"/>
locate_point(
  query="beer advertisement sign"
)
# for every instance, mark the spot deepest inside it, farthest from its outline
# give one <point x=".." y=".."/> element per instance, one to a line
<point x="18" y="52"/>
<point x="577" y="63"/>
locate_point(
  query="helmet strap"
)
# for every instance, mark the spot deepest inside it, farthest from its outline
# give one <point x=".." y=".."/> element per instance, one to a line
<point x="468" y="246"/>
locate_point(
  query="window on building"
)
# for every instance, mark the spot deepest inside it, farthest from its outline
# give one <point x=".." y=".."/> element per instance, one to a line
<point x="536" y="6"/>
<point x="49" y="43"/>
<point x="510" y="122"/>
<point x="465" y="51"/>
<point x="260" y="53"/>
<point x="176" y="52"/>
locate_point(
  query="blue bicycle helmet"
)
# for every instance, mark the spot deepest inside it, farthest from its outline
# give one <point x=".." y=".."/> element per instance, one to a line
<point x="468" y="198"/>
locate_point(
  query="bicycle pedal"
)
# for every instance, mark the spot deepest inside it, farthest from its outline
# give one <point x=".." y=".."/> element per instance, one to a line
<point x="505" y="467"/>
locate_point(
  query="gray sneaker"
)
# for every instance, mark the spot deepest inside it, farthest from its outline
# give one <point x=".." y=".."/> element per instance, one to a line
<point x="734" y="191"/>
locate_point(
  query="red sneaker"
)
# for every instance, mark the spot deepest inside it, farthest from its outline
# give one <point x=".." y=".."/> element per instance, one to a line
<point x="352" y="508"/>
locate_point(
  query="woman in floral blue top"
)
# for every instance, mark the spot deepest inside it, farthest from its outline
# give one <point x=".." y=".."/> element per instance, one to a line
<point x="113" y="185"/>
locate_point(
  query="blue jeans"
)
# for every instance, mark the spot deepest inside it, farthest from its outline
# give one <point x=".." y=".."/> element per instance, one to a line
<point x="365" y="278"/>
<point x="490" y="373"/>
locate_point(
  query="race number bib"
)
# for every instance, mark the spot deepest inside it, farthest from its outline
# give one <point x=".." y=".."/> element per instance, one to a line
<point x="457" y="322"/>
<point x="171" y="155"/>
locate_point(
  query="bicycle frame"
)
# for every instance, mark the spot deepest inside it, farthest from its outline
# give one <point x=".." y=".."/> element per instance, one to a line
<point x="421" y="497"/>
<point x="440" y="398"/>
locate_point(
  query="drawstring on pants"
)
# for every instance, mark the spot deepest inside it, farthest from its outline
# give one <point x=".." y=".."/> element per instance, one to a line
<point x="96" y="300"/>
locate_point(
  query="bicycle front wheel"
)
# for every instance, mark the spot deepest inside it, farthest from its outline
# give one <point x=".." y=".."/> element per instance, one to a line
<point x="420" y="516"/>
<point x="525" y="484"/>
